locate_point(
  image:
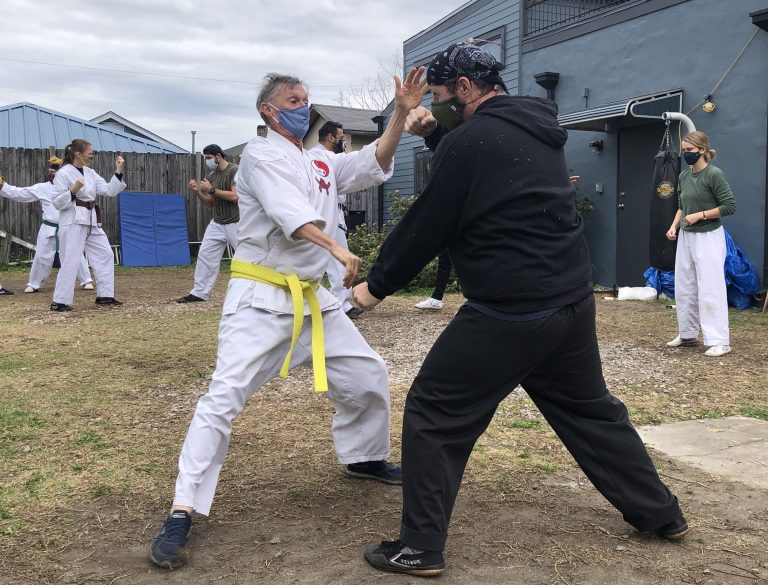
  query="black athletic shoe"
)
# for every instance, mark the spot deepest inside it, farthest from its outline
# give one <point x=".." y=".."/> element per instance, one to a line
<point x="675" y="530"/>
<point x="168" y="549"/>
<point x="382" y="471"/>
<point x="190" y="298"/>
<point x="60" y="307"/>
<point x="395" y="557"/>
<point x="354" y="312"/>
<point x="5" y="291"/>
<point x="108" y="301"/>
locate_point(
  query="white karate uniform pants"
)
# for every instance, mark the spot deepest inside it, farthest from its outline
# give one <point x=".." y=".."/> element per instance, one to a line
<point x="252" y="346"/>
<point x="209" y="257"/>
<point x="73" y="240"/>
<point x="700" y="290"/>
<point x="335" y="271"/>
<point x="43" y="261"/>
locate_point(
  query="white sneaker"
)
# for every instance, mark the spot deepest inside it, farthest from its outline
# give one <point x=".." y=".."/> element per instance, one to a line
<point x="718" y="350"/>
<point x="430" y="303"/>
<point x="87" y="286"/>
<point x="680" y="342"/>
<point x="29" y="289"/>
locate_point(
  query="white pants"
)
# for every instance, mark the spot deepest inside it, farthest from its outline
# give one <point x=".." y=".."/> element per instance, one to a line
<point x="209" y="257"/>
<point x="252" y="346"/>
<point x="74" y="239"/>
<point x="335" y="271"/>
<point x="700" y="291"/>
<point x="43" y="262"/>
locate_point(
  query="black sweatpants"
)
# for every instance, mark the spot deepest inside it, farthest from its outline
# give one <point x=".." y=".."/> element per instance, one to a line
<point x="473" y="365"/>
<point x="444" y="267"/>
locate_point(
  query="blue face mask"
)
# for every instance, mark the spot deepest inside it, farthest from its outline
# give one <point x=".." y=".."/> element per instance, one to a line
<point x="295" y="122"/>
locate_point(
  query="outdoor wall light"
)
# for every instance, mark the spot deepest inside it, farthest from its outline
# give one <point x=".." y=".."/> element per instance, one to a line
<point x="548" y="80"/>
<point x="709" y="106"/>
<point x="596" y="145"/>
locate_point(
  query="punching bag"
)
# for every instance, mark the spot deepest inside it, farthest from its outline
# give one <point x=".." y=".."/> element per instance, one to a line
<point x="664" y="204"/>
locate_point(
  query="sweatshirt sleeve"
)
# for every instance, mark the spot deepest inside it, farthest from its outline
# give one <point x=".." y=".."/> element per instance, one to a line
<point x="426" y="229"/>
<point x="434" y="139"/>
<point x="726" y="202"/>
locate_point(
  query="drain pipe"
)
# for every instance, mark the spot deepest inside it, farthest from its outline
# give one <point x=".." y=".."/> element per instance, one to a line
<point x="669" y="116"/>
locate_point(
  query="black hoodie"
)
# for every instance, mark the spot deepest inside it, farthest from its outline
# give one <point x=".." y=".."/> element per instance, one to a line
<point x="499" y="198"/>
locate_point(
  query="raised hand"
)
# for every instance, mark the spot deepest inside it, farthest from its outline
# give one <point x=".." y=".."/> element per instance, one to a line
<point x="119" y="162"/>
<point x="77" y="186"/>
<point x="410" y="92"/>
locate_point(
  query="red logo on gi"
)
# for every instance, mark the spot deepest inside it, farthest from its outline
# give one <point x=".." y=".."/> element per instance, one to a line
<point x="321" y="168"/>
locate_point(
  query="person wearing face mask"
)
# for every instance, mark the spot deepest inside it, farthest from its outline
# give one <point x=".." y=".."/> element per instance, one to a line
<point x="75" y="188"/>
<point x="48" y="235"/>
<point x="500" y="199"/>
<point x="218" y="191"/>
<point x="700" y="288"/>
<point x="277" y="315"/>
<point x="331" y="139"/>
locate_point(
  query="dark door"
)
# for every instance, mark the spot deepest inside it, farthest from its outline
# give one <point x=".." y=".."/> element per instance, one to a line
<point x="637" y="147"/>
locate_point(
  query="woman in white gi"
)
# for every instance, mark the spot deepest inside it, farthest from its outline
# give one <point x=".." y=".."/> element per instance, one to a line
<point x="700" y="290"/>
<point x="48" y="236"/>
<point x="74" y="195"/>
<point x="288" y="216"/>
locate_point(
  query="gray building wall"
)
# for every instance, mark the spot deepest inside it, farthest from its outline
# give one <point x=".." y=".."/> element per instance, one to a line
<point x="475" y="20"/>
<point x="688" y="45"/>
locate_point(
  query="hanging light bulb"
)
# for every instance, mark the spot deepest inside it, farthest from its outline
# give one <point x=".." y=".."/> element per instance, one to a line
<point x="709" y="106"/>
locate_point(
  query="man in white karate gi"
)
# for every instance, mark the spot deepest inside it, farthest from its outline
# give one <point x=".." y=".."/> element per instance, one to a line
<point x="48" y="235"/>
<point x="219" y="192"/>
<point x="331" y="138"/>
<point x="275" y="310"/>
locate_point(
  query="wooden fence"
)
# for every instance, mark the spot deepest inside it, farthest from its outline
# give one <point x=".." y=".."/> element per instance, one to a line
<point x="144" y="172"/>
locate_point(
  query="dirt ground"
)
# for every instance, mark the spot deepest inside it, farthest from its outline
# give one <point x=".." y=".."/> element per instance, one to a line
<point x="95" y="405"/>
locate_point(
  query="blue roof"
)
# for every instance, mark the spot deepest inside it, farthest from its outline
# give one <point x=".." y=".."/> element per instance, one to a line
<point x="26" y="125"/>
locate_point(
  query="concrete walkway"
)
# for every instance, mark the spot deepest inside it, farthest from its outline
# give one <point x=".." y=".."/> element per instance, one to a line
<point x="735" y="447"/>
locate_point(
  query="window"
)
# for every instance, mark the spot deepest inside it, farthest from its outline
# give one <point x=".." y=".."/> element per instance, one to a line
<point x="494" y="42"/>
<point x="421" y="160"/>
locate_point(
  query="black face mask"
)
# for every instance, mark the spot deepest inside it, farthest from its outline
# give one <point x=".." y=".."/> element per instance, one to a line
<point x="691" y="157"/>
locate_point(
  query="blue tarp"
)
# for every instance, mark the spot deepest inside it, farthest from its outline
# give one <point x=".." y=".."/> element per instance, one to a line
<point x="153" y="229"/>
<point x="740" y="277"/>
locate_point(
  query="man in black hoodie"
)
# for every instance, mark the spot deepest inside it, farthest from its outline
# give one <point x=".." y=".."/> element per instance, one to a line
<point x="499" y="198"/>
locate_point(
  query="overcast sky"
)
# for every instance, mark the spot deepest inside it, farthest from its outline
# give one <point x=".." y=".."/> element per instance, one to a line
<point x="54" y="54"/>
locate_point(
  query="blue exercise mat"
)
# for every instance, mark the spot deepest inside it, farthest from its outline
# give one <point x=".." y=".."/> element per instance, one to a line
<point x="153" y="229"/>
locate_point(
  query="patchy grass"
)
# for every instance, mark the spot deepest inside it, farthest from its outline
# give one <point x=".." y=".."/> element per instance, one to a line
<point x="761" y="413"/>
<point x="96" y="405"/>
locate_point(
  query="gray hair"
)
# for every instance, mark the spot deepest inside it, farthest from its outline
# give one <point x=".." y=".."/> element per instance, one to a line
<point x="273" y="82"/>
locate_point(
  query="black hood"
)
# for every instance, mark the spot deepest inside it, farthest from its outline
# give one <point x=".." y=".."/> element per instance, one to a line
<point x="537" y="116"/>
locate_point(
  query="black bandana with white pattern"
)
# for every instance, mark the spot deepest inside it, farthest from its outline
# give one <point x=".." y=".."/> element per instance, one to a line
<point x="464" y="60"/>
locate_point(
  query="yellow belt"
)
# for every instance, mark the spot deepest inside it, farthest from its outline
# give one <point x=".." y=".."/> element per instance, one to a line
<point x="299" y="290"/>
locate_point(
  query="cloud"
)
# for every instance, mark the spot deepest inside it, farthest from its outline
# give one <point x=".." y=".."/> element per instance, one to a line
<point x="330" y="44"/>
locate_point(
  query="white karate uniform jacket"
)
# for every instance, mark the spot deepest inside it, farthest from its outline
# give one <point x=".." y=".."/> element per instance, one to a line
<point x="93" y="185"/>
<point x="280" y="188"/>
<point x="42" y="192"/>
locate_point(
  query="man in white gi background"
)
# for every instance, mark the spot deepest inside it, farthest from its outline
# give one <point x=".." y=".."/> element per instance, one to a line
<point x="289" y="211"/>
<point x="331" y="138"/>
<point x="48" y="236"/>
<point x="219" y="192"/>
